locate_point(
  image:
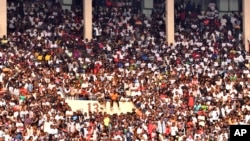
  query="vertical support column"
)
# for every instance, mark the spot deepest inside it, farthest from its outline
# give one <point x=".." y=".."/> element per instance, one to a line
<point x="3" y="15"/>
<point x="87" y="17"/>
<point x="246" y="20"/>
<point x="170" y="21"/>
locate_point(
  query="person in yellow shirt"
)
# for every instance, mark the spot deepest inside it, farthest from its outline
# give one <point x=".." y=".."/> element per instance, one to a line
<point x="114" y="98"/>
<point x="106" y="122"/>
<point x="4" y="40"/>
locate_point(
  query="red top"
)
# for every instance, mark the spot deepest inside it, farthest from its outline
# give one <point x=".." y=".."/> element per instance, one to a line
<point x="108" y="3"/>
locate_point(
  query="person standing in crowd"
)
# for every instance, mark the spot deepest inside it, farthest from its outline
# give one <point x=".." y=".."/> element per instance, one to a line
<point x="114" y="97"/>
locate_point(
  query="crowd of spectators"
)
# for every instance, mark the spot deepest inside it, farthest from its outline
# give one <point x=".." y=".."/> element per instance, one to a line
<point x="190" y="90"/>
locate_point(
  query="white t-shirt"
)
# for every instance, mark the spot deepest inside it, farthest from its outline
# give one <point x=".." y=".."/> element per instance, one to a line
<point x="7" y="137"/>
<point x="1" y="133"/>
<point x="19" y="126"/>
<point x="46" y="126"/>
<point x="173" y="130"/>
<point x="1" y="77"/>
<point x="53" y="131"/>
<point x="214" y="115"/>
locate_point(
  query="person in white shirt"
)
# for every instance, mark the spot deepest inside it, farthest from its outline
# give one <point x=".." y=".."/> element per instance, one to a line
<point x="53" y="130"/>
<point x="19" y="125"/>
<point x="173" y="130"/>
<point x="2" y="134"/>
<point x="7" y="137"/>
<point x="47" y="125"/>
<point x="190" y="138"/>
<point x="2" y="75"/>
<point x="30" y="130"/>
<point x="214" y="115"/>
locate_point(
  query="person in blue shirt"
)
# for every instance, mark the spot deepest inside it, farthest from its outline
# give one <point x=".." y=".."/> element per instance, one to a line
<point x="128" y="135"/>
<point x="197" y="107"/>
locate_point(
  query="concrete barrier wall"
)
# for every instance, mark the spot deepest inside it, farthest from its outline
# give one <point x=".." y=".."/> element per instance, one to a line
<point x="3" y="15"/>
<point x="95" y="106"/>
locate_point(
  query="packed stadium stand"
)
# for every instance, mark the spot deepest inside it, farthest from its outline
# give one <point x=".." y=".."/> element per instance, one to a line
<point x="127" y="83"/>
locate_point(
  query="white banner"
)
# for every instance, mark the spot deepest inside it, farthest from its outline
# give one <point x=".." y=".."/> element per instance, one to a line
<point x="95" y="106"/>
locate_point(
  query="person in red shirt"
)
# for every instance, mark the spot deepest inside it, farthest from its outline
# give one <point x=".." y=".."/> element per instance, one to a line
<point x="191" y="100"/>
<point x="108" y="3"/>
<point x="84" y="94"/>
<point x="167" y="132"/>
<point x="23" y="91"/>
<point x="151" y="128"/>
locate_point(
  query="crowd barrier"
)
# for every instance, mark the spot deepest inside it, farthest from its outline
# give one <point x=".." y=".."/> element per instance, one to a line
<point x="95" y="106"/>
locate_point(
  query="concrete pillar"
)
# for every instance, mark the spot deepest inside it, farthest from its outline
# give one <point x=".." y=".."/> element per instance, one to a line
<point x="87" y="17"/>
<point x="170" y="21"/>
<point x="246" y="21"/>
<point x="3" y="15"/>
